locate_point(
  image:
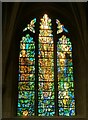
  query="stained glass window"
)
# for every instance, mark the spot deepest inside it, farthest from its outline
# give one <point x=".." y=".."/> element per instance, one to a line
<point x="44" y="54"/>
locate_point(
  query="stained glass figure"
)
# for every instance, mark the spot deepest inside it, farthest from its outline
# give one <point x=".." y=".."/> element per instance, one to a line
<point x="66" y="101"/>
<point x="26" y="83"/>
<point x="31" y="26"/>
<point x="46" y="104"/>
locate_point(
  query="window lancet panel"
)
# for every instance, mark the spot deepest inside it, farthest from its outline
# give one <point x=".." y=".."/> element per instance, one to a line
<point x="66" y="102"/>
<point x="26" y="83"/>
<point x="46" y="104"/>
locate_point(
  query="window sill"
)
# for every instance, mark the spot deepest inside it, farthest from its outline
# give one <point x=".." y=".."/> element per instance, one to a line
<point x="46" y="118"/>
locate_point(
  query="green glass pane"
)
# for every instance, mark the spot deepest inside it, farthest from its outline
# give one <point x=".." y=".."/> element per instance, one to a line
<point x="67" y="111"/>
<point x="46" y="86"/>
<point x="26" y="103"/>
<point x="25" y="112"/>
<point x="66" y="103"/>
<point x="27" y="39"/>
<point x="26" y="95"/>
